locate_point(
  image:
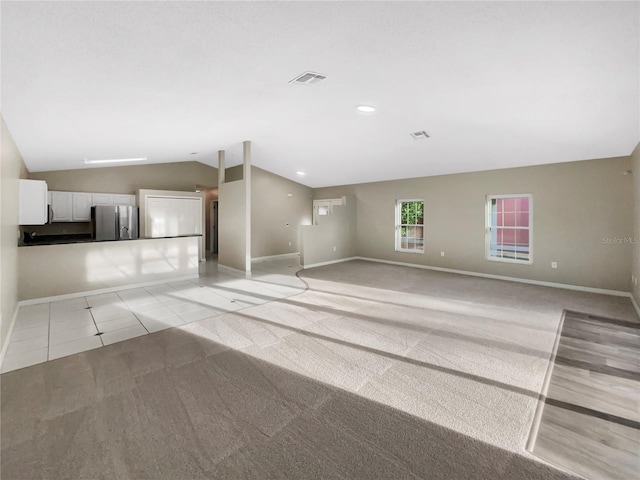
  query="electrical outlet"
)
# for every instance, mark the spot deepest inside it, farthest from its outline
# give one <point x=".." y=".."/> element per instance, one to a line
<point x="554" y="264"/>
<point x="334" y="248"/>
<point x="442" y="254"/>
<point x="289" y="243"/>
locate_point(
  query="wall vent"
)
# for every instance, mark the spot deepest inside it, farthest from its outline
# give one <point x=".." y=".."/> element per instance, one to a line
<point x="308" y="78"/>
<point x="419" y="135"/>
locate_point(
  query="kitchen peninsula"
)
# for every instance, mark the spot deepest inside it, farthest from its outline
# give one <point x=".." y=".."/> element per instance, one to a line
<point x="74" y="246"/>
<point x="90" y="265"/>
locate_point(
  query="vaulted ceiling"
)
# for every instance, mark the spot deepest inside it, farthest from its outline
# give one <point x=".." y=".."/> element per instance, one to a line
<point x="495" y="84"/>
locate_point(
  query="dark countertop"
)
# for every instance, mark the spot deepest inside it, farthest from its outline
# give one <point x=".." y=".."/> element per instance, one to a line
<point x="83" y="238"/>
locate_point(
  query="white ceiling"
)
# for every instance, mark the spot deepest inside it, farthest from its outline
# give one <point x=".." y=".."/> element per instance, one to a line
<point x="495" y="84"/>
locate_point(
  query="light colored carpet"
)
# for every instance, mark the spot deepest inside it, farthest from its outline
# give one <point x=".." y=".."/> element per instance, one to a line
<point x="375" y="371"/>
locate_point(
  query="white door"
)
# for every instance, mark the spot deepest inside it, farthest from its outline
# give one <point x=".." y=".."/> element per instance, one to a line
<point x="168" y="217"/>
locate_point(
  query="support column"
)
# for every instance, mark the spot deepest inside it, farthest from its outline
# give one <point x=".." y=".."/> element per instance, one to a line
<point x="221" y="167"/>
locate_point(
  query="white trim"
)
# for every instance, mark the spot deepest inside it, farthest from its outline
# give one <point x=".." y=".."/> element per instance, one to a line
<point x="272" y="257"/>
<point x="535" y="425"/>
<point x="566" y="286"/>
<point x="35" y="301"/>
<point x="331" y="262"/>
<point x="234" y="271"/>
<point x="5" y="346"/>
<point x="635" y="305"/>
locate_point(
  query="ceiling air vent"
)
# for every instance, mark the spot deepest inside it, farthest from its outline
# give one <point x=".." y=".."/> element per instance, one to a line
<point x="308" y="78"/>
<point x="419" y="135"/>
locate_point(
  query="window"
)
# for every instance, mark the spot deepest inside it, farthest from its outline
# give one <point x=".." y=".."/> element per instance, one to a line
<point x="410" y="226"/>
<point x="509" y="232"/>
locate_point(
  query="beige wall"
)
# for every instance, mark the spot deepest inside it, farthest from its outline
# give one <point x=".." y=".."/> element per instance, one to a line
<point x="161" y="176"/>
<point x="233" y="174"/>
<point x="276" y="217"/>
<point x="232" y="251"/>
<point x="12" y="168"/>
<point x="575" y="206"/>
<point x="97" y="265"/>
<point x="337" y="230"/>
<point x="635" y="287"/>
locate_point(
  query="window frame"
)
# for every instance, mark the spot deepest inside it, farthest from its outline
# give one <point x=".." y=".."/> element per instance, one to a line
<point x="487" y="236"/>
<point x="398" y="225"/>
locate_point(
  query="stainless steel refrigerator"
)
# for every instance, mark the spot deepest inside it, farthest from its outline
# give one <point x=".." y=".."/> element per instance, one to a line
<point x="114" y="222"/>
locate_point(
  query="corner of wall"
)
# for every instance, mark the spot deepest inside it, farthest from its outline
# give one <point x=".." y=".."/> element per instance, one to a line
<point x="279" y="208"/>
<point x="635" y="268"/>
<point x="12" y="168"/>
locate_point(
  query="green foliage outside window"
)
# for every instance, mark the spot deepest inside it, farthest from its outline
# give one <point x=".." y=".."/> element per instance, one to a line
<point x="411" y="213"/>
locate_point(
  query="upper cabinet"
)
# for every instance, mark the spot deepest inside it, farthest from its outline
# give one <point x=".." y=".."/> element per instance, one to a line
<point x="32" y="202"/>
<point x="62" y="206"/>
<point x="101" y="199"/>
<point x="81" y="208"/>
<point x="124" y="200"/>
<point x="76" y="206"/>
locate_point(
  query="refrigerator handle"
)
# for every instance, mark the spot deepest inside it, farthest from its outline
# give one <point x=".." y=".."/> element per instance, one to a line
<point x="117" y="219"/>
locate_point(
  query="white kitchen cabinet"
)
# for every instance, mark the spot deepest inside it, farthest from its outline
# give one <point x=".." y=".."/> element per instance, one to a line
<point x="124" y="200"/>
<point x="81" y="208"/>
<point x="62" y="206"/>
<point x="76" y="206"/>
<point x="32" y="202"/>
<point x="101" y="199"/>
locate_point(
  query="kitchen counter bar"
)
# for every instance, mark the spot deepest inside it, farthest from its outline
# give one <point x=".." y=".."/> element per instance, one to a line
<point x="83" y="238"/>
<point x="50" y="270"/>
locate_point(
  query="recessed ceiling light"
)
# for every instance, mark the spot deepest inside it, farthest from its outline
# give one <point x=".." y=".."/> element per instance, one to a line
<point x="115" y="160"/>
<point x="366" y="108"/>
<point x="300" y="174"/>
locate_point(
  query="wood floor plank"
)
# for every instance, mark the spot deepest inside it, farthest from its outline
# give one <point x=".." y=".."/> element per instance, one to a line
<point x="594" y="448"/>
<point x="612" y="395"/>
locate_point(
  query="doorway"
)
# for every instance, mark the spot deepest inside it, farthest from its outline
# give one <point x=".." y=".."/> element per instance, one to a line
<point x="213" y="242"/>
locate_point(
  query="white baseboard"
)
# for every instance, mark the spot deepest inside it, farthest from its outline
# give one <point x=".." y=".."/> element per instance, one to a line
<point x="35" y="301"/>
<point x="635" y="305"/>
<point x="566" y="286"/>
<point x="331" y="262"/>
<point x="273" y="257"/>
<point x="234" y="271"/>
<point x="5" y="345"/>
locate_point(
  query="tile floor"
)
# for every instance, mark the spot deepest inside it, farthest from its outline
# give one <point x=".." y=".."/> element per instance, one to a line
<point x="57" y="329"/>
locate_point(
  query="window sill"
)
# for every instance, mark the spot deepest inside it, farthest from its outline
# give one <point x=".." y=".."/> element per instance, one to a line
<point x="508" y="260"/>
<point x="409" y="251"/>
